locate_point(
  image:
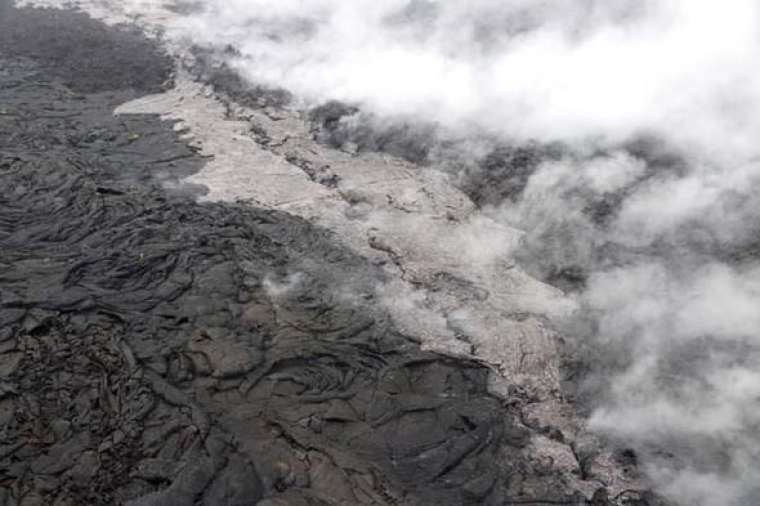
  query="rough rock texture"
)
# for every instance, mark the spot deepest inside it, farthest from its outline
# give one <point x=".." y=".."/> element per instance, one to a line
<point x="158" y="350"/>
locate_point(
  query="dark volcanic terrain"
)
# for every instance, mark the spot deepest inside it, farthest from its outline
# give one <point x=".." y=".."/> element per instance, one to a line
<point x="155" y="350"/>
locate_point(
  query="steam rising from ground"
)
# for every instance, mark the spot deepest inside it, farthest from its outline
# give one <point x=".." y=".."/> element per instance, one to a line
<point x="577" y="69"/>
<point x="652" y="199"/>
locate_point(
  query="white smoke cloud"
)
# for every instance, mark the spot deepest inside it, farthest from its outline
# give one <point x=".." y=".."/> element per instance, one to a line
<point x="674" y="292"/>
<point x="672" y="287"/>
<point x="566" y="70"/>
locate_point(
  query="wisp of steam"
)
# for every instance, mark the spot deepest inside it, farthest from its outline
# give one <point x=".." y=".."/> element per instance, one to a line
<point x="651" y="196"/>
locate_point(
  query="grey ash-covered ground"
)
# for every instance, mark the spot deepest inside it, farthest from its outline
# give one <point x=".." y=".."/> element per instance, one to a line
<point x="155" y="350"/>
